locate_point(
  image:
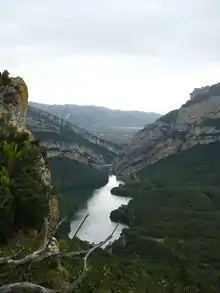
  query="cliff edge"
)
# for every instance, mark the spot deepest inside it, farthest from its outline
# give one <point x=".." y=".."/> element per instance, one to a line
<point x="196" y="122"/>
<point x="27" y="197"/>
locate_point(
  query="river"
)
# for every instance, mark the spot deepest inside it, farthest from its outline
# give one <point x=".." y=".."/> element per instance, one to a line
<point x="98" y="225"/>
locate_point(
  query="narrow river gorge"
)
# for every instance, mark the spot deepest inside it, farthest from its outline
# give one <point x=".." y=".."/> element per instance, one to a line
<point x="98" y="225"/>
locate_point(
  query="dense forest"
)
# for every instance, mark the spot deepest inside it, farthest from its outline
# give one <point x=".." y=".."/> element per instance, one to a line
<point x="174" y="219"/>
<point x="74" y="183"/>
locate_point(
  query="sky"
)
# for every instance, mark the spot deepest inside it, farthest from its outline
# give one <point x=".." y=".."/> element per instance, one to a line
<point x="143" y="55"/>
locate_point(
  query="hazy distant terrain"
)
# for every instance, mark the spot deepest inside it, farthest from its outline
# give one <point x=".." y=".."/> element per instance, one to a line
<point x="113" y="125"/>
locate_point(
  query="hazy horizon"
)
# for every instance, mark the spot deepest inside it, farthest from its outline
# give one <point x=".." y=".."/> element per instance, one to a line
<point x="87" y="105"/>
<point x="131" y="55"/>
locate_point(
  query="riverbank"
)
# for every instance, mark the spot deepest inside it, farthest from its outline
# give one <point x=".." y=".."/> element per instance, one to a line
<point x="99" y="225"/>
<point x="75" y="184"/>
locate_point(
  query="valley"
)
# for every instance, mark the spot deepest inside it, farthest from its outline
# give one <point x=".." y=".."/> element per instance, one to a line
<point x="110" y="146"/>
<point x="172" y="218"/>
<point x="168" y="210"/>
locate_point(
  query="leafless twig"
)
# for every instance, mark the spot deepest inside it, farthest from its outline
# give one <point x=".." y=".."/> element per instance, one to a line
<point x="41" y="254"/>
<point x="29" y="287"/>
<point x="34" y="255"/>
<point x="80" y="226"/>
<point x="85" y="267"/>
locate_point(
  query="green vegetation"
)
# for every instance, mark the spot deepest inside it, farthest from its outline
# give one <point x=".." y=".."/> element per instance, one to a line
<point x="75" y="183"/>
<point x="171" y="245"/>
<point x="107" y="273"/>
<point x="213" y="91"/>
<point x="20" y="187"/>
<point x="69" y="174"/>
<point x="174" y="218"/>
<point x="4" y="78"/>
<point x="24" y="203"/>
<point x="20" y="178"/>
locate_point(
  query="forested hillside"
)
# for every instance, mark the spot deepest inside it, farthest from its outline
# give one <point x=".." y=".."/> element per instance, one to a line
<point x="174" y="217"/>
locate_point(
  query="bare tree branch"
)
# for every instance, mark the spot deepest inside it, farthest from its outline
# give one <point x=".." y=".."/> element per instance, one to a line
<point x="36" y="256"/>
<point x="85" y="267"/>
<point x="60" y="254"/>
<point x="19" y="287"/>
<point x="7" y="258"/>
<point x="80" y="226"/>
<point x="100" y="244"/>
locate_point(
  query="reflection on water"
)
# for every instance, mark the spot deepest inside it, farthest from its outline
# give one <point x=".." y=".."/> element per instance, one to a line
<point x="98" y="225"/>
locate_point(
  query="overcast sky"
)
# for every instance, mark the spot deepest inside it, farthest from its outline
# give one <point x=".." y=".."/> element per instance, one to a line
<point x="127" y="54"/>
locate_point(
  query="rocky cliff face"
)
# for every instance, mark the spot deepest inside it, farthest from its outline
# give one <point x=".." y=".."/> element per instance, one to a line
<point x="63" y="139"/>
<point x="17" y="149"/>
<point x="13" y="100"/>
<point x="196" y="122"/>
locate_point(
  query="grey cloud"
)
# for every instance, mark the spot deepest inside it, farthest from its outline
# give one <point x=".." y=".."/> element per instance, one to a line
<point x="170" y="29"/>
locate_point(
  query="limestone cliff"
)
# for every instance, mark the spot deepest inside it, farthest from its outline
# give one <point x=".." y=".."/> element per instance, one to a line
<point x="13" y="99"/>
<point x="29" y="211"/>
<point x="196" y="122"/>
<point x="20" y="159"/>
<point x="63" y="139"/>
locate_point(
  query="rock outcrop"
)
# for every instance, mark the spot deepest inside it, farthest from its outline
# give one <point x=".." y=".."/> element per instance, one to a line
<point x="63" y="139"/>
<point x="13" y="109"/>
<point x="196" y="122"/>
<point x="13" y="100"/>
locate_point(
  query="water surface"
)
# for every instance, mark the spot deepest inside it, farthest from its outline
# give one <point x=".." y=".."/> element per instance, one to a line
<point x="98" y="225"/>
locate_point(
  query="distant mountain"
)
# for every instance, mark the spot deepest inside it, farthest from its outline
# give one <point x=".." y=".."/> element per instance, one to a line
<point x="114" y="125"/>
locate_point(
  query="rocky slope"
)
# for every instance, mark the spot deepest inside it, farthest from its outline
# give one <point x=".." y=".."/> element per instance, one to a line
<point x="196" y="122"/>
<point x="63" y="139"/>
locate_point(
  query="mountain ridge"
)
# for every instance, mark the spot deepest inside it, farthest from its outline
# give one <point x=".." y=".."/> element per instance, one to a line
<point x="117" y="125"/>
<point x="48" y="128"/>
<point x="195" y="122"/>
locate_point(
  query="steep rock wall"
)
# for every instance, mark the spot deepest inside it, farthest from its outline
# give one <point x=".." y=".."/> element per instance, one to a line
<point x="13" y="109"/>
<point x="196" y="122"/>
<point x="36" y="116"/>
